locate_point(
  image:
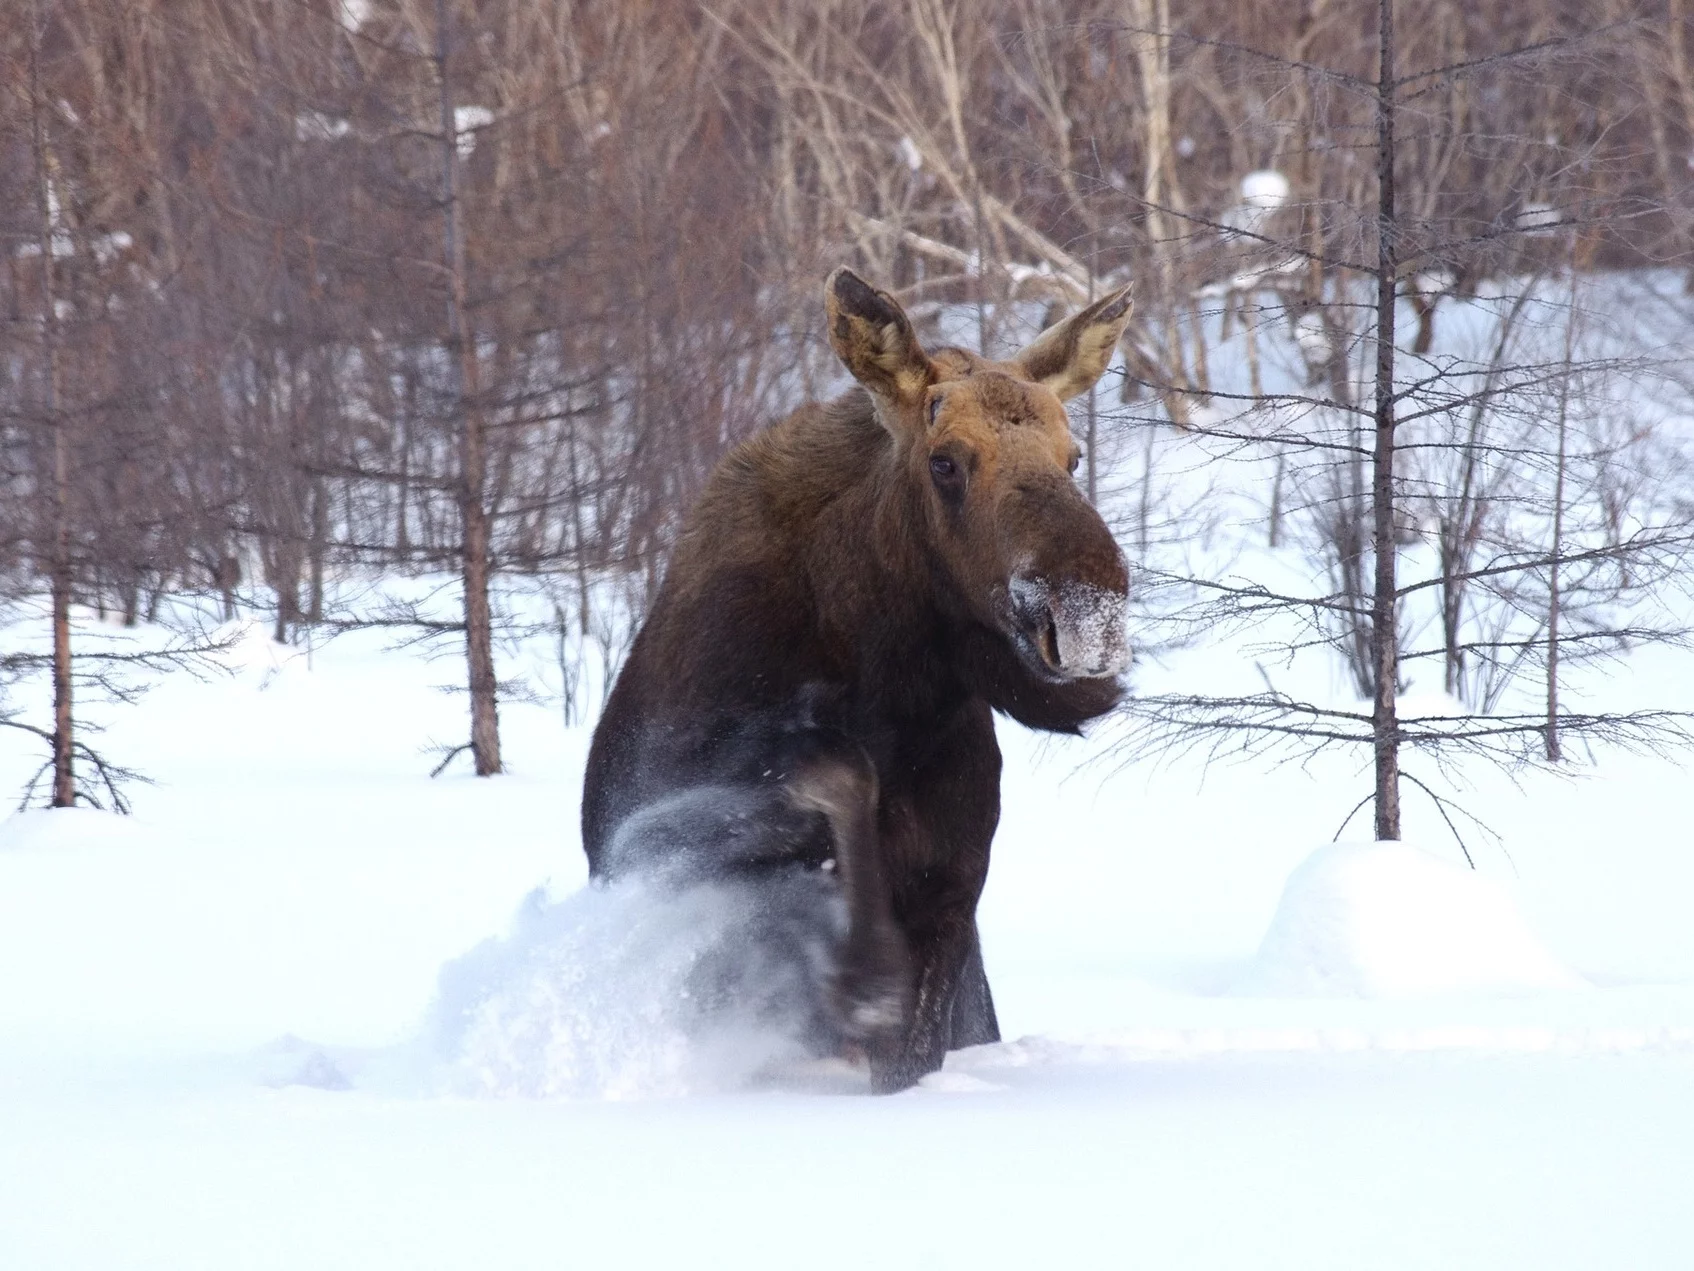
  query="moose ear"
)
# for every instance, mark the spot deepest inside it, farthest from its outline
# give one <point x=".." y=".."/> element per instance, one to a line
<point x="872" y="336"/>
<point x="1070" y="355"/>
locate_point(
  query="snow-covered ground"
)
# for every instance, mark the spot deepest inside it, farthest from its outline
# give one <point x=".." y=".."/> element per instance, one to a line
<point x="309" y="1008"/>
<point x="1227" y="1051"/>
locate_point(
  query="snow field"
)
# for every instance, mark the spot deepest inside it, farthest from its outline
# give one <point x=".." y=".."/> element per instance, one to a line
<point x="1226" y="1051"/>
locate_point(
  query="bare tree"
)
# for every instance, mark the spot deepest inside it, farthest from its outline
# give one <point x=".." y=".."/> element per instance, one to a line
<point x="58" y="550"/>
<point x="1465" y="439"/>
<point x="476" y="291"/>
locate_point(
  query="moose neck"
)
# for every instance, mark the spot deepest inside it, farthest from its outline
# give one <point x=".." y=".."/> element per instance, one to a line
<point x="902" y="610"/>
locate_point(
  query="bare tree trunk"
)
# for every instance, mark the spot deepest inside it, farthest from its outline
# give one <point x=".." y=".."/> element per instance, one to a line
<point x="1202" y="368"/>
<point x="579" y="545"/>
<point x="1385" y="648"/>
<point x="1256" y="388"/>
<point x="1093" y="413"/>
<point x="1093" y="434"/>
<point x="64" y="774"/>
<point x="1144" y="511"/>
<point x="473" y="462"/>
<point x="59" y="567"/>
<point x="1554" y="751"/>
<point x="317" y="546"/>
<point x="1158" y="193"/>
<point x="227" y="578"/>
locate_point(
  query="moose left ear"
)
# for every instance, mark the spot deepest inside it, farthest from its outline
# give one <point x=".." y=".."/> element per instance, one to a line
<point x="872" y="336"/>
<point x="1069" y="356"/>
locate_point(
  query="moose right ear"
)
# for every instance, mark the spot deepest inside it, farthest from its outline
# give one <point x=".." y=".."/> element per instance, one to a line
<point x="1071" y="355"/>
<point x="872" y="336"/>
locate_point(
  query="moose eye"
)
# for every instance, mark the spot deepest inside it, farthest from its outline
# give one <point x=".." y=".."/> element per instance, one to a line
<point x="1076" y="458"/>
<point x="944" y="470"/>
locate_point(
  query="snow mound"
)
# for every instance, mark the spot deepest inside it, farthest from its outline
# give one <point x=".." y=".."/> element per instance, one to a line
<point x="1385" y="920"/>
<point x="634" y="991"/>
<point x="1267" y="189"/>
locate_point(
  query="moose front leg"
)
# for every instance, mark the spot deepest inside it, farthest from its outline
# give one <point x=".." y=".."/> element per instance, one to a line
<point x="949" y="971"/>
<point x="872" y="991"/>
<point x="940" y="832"/>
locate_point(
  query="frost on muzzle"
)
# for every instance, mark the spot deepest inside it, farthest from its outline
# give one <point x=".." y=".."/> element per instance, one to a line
<point x="1074" y="630"/>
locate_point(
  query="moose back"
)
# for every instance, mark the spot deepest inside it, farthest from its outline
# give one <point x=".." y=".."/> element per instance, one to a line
<point x="861" y="586"/>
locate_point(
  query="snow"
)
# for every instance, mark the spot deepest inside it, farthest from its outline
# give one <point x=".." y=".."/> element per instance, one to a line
<point x="1312" y="337"/>
<point x="468" y="121"/>
<point x="1391" y="920"/>
<point x="107" y="247"/>
<point x="1266" y="190"/>
<point x="628" y="992"/>
<point x="352" y="14"/>
<point x="315" y="125"/>
<point x="227" y="1038"/>
<point x="310" y="1008"/>
<point x="1262" y="193"/>
<point x="1539" y="218"/>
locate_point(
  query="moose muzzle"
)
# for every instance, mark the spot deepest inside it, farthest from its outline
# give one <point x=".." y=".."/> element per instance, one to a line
<point x="1076" y="630"/>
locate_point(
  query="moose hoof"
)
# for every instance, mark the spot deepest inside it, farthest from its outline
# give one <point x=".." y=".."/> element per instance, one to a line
<point x="894" y="1078"/>
<point x="900" y="1069"/>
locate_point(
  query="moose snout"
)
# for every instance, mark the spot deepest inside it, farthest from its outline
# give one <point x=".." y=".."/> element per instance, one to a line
<point x="1078" y="629"/>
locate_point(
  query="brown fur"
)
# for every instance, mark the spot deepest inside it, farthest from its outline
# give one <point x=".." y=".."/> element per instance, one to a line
<point x="839" y="620"/>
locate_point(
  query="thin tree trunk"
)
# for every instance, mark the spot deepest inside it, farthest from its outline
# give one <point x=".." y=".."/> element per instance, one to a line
<point x="1202" y="368"/>
<point x="473" y="460"/>
<point x="1554" y="751"/>
<point x="1093" y="413"/>
<point x="285" y="581"/>
<point x="59" y="570"/>
<point x="228" y="577"/>
<point x="64" y="773"/>
<point x="579" y="545"/>
<point x="408" y="411"/>
<point x="318" y="546"/>
<point x="1144" y="511"/>
<point x="1256" y="389"/>
<point x="1093" y="435"/>
<point x="1152" y="54"/>
<point x="1385" y="650"/>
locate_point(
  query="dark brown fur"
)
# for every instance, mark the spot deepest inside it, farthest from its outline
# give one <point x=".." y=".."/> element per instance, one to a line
<point x="832" y="637"/>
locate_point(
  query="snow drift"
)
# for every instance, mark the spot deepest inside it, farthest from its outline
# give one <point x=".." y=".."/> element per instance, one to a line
<point x="638" y="991"/>
<point x="1388" y="920"/>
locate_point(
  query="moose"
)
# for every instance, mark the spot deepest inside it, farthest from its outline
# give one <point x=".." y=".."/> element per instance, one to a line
<point x="859" y="588"/>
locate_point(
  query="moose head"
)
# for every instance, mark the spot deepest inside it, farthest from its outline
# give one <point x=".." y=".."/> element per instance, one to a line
<point x="987" y="451"/>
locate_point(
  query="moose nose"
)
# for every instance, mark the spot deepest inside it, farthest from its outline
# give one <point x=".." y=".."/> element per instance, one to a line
<point x="1091" y="625"/>
<point x="1079" y="629"/>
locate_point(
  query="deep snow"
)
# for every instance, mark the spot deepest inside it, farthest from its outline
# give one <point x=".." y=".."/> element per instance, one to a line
<point x="216" y="1037"/>
<point x="312" y="1009"/>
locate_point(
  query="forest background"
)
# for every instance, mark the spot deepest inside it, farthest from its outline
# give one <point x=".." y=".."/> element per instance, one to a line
<point x="473" y="293"/>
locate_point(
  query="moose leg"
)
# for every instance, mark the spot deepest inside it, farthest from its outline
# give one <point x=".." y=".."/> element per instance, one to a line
<point x="974" y="1022"/>
<point x="715" y="831"/>
<point x="950" y="966"/>
<point x="944" y="827"/>
<point x="815" y="808"/>
<point x="873" y="986"/>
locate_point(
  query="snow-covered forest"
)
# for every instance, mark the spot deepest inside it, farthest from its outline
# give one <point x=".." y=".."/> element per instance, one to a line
<point x="360" y="360"/>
